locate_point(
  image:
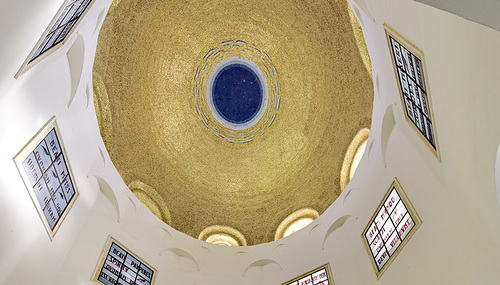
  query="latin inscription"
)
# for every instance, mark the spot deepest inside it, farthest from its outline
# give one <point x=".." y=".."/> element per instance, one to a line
<point x="388" y="229"/>
<point x="49" y="176"/>
<point x="62" y="26"/>
<point x="411" y="80"/>
<point x="317" y="277"/>
<point x="121" y="267"/>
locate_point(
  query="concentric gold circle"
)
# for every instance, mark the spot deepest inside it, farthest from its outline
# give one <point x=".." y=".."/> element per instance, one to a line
<point x="226" y="51"/>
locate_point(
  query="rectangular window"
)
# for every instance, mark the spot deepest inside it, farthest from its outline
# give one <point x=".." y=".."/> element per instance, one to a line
<point x="42" y="164"/>
<point x="119" y="266"/>
<point x="58" y="30"/>
<point x="318" y="276"/>
<point x="390" y="228"/>
<point x="408" y="62"/>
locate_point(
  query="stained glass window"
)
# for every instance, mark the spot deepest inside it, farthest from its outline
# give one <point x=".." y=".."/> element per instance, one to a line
<point x="390" y="227"/>
<point x="409" y="67"/>
<point x="63" y="25"/>
<point x="44" y="167"/>
<point x="120" y="266"/>
<point x="318" y="276"/>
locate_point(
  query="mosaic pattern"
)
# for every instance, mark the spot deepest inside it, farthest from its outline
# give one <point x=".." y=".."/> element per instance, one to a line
<point x="148" y="112"/>
<point x="63" y="25"/>
<point x="225" y="51"/>
<point x="47" y="175"/>
<point x="410" y="73"/>
<point x="319" y="276"/>
<point x="389" y="229"/>
<point x="122" y="267"/>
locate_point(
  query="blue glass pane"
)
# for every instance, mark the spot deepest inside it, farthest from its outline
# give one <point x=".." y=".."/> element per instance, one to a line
<point x="237" y="93"/>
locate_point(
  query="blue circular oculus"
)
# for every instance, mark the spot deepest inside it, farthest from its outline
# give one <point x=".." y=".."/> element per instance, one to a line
<point x="237" y="93"/>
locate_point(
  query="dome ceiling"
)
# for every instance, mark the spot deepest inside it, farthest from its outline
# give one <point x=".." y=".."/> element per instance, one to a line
<point x="159" y="133"/>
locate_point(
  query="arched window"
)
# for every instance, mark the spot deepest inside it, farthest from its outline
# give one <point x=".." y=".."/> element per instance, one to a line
<point x="353" y="157"/>
<point x="223" y="235"/>
<point x="295" y="221"/>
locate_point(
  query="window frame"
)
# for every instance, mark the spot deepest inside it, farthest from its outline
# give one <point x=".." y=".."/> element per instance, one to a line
<point x="311" y="272"/>
<point x="29" y="62"/>
<point x="419" y="54"/>
<point x="25" y="152"/>
<point x="104" y="254"/>
<point x="413" y="215"/>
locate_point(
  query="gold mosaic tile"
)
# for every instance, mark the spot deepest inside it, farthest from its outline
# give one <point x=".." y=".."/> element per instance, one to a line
<point x="147" y="56"/>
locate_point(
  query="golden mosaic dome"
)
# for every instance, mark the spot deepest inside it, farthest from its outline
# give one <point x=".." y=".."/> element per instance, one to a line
<point x="191" y="168"/>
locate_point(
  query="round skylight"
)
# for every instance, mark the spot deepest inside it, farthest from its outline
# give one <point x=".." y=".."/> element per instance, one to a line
<point x="237" y="93"/>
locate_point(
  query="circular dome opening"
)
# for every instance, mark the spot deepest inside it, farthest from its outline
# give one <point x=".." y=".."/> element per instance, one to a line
<point x="237" y="94"/>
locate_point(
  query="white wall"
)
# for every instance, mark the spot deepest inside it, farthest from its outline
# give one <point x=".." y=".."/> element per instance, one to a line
<point x="484" y="12"/>
<point x="456" y="198"/>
